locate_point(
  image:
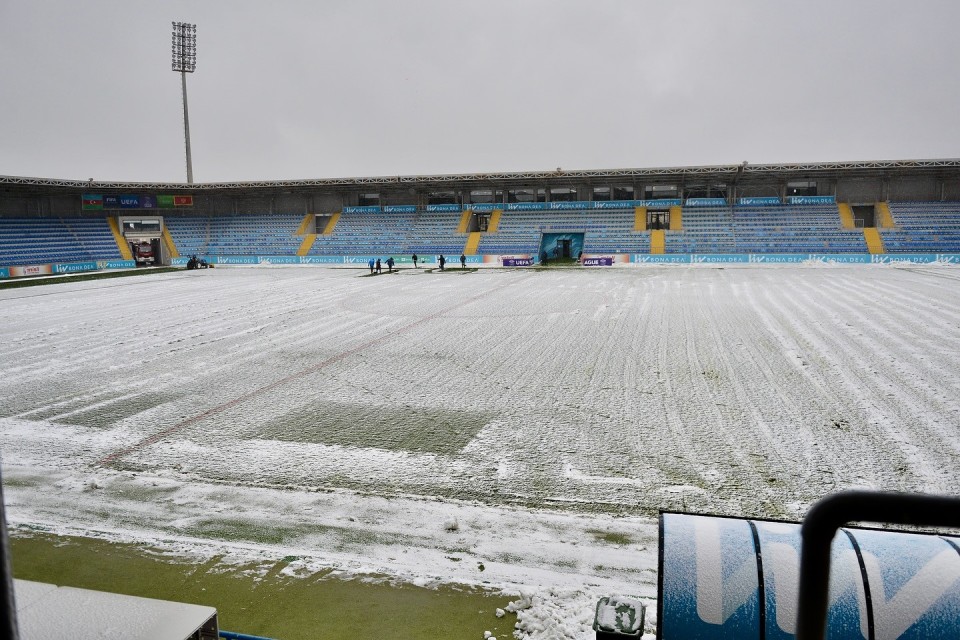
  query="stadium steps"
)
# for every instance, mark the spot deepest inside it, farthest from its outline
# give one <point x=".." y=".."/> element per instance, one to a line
<point x="846" y="216"/>
<point x="494" y="221"/>
<point x="167" y="240"/>
<point x="465" y="221"/>
<point x="676" y="218"/>
<point x="472" y="243"/>
<point x="307" y="244"/>
<point x="304" y="227"/>
<point x="658" y="240"/>
<point x="331" y="224"/>
<point x="639" y="218"/>
<point x="872" y="237"/>
<point x="121" y="242"/>
<point x="883" y="216"/>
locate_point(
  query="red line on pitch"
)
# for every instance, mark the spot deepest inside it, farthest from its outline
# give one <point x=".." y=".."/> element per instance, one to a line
<point x="160" y="435"/>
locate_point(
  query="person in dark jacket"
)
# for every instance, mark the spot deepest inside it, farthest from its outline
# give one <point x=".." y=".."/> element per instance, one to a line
<point x="390" y="264"/>
<point x="442" y="261"/>
<point x="378" y="265"/>
<point x="414" y="261"/>
<point x="463" y="261"/>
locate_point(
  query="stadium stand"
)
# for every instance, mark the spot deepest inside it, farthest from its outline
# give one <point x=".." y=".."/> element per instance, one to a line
<point x="605" y="231"/>
<point x="923" y="227"/>
<point x="367" y="233"/>
<point x="919" y="227"/>
<point x="236" y="235"/>
<point x="25" y="241"/>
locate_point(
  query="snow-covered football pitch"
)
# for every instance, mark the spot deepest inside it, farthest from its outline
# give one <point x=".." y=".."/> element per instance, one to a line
<point x="515" y="429"/>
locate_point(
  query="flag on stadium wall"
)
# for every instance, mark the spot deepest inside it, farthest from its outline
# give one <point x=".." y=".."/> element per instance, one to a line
<point x="92" y="202"/>
<point x="183" y="201"/>
<point x="129" y="202"/>
<point x="165" y="202"/>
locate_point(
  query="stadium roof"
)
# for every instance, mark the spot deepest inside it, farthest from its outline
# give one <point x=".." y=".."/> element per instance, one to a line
<point x="519" y="177"/>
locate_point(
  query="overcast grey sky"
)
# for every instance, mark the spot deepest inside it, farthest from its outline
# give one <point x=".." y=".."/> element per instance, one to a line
<point x="334" y="88"/>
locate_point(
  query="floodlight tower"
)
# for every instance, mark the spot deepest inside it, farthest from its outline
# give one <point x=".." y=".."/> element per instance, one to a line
<point x="185" y="61"/>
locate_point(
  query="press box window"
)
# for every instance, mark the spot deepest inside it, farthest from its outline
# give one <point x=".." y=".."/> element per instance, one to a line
<point x="802" y="188"/>
<point x="601" y="193"/>
<point x="661" y="192"/>
<point x="563" y="194"/>
<point x="442" y="197"/>
<point x="623" y="193"/>
<point x="369" y="200"/>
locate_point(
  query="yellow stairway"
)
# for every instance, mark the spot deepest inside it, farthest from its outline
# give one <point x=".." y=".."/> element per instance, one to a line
<point x="658" y="241"/>
<point x="168" y="240"/>
<point x="120" y="240"/>
<point x="846" y="216"/>
<point x="472" y="243"/>
<point x="494" y="221"/>
<point x="883" y="216"/>
<point x="307" y="243"/>
<point x="331" y="224"/>
<point x="305" y="224"/>
<point x="465" y="221"/>
<point x="639" y="218"/>
<point x="676" y="218"/>
<point x="874" y="242"/>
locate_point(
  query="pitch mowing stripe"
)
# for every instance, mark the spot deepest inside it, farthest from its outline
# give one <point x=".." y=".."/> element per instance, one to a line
<point x="157" y="437"/>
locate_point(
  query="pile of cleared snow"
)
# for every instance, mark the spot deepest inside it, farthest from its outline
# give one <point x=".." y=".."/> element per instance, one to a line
<point x="562" y="614"/>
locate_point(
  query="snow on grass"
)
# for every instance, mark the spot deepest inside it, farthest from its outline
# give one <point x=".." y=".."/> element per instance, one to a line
<point x="549" y="415"/>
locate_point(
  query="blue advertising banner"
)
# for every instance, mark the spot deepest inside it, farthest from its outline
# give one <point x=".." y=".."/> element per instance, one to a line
<point x="666" y="258"/>
<point x="613" y="204"/>
<point x="129" y="202"/>
<point x="726" y="578"/>
<point x="766" y="201"/>
<point x="812" y="200"/>
<point x="526" y="206"/>
<point x="279" y="259"/>
<point x="718" y="258"/>
<point x="400" y="208"/>
<point x="235" y="260"/>
<point x="706" y="202"/>
<point x="485" y="208"/>
<point x="321" y="259"/>
<point x="370" y="209"/>
<point x="565" y="206"/>
<point x="444" y="207"/>
<point x="75" y="267"/>
<point x="509" y="261"/>
<point x="4" y="272"/>
<point x="148" y="202"/>
<point x="111" y="202"/>
<point x="602" y="261"/>
<point x="116" y="264"/>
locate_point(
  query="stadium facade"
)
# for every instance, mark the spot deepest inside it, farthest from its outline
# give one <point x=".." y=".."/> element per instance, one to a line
<point x="730" y="212"/>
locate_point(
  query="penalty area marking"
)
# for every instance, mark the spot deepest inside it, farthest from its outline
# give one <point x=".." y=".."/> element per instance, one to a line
<point x="160" y="435"/>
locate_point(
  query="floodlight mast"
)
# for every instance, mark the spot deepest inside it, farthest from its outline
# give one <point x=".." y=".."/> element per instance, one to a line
<point x="184" y="50"/>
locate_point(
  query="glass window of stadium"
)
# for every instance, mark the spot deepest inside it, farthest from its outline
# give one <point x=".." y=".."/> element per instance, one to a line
<point x="623" y="193"/>
<point x="660" y="192"/>
<point x="601" y="193"/>
<point x="802" y="188"/>
<point x="563" y="194"/>
<point x="369" y="200"/>
<point x="705" y="191"/>
<point x="442" y="197"/>
<point x="141" y="226"/>
<point x="481" y="196"/>
<point x="521" y="195"/>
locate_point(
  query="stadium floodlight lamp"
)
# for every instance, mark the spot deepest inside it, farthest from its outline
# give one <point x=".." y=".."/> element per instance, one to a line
<point x="184" y="52"/>
<point x="184" y="47"/>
